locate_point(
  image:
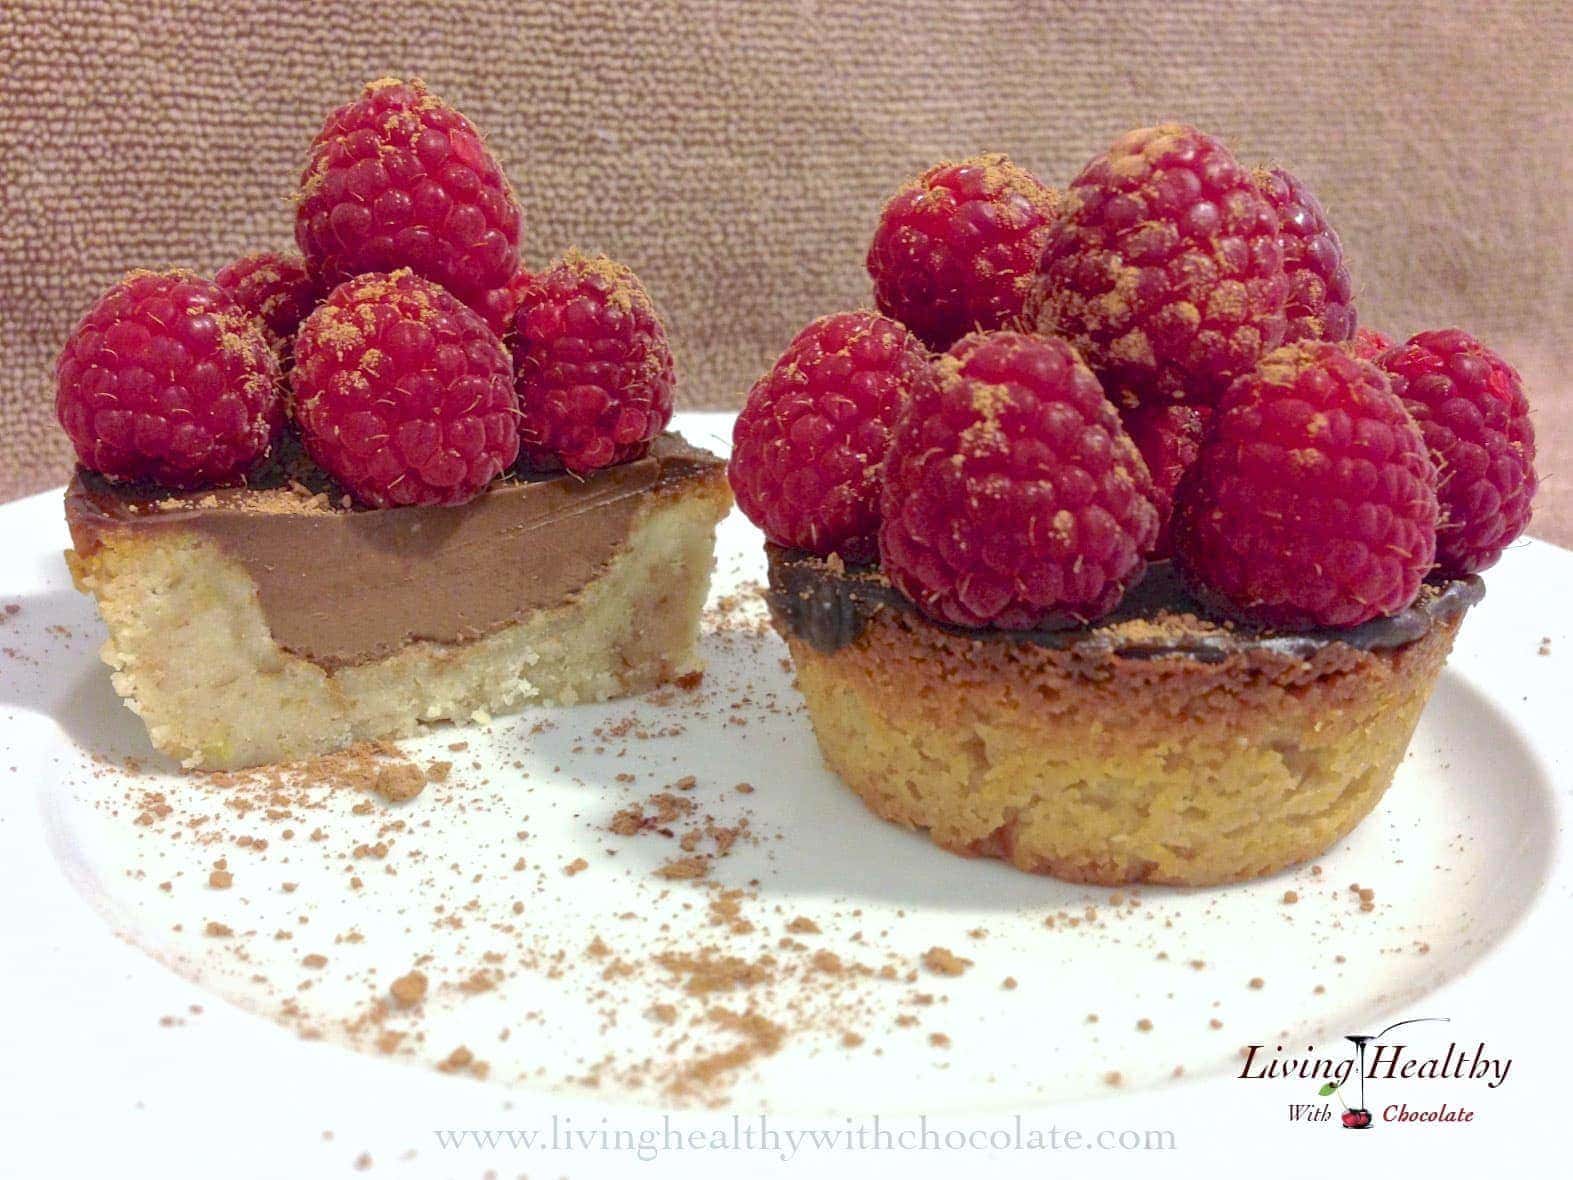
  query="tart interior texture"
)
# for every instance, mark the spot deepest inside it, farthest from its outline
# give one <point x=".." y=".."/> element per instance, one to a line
<point x="277" y="621"/>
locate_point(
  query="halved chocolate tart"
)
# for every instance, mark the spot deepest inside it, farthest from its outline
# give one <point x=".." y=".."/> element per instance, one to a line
<point x="277" y="621"/>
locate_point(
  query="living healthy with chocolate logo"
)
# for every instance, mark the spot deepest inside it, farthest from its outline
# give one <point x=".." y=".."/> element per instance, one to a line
<point x="1372" y="1058"/>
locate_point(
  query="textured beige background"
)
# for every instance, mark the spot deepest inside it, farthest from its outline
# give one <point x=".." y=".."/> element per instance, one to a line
<point x="736" y="154"/>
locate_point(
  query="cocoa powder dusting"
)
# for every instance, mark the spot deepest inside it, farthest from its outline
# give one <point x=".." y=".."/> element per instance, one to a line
<point x="442" y="899"/>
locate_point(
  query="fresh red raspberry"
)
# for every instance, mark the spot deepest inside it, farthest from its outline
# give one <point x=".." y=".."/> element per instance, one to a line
<point x="1012" y="496"/>
<point x="498" y="305"/>
<point x="167" y="379"/>
<point x="402" y="394"/>
<point x="1321" y="294"/>
<point x="276" y="289"/>
<point x="398" y="178"/>
<point x="807" y="448"/>
<point x="1165" y="268"/>
<point x="1471" y="408"/>
<point x="955" y="249"/>
<point x="1313" y="502"/>
<point x="594" y="370"/>
<point x="1368" y="344"/>
<point x="1169" y="437"/>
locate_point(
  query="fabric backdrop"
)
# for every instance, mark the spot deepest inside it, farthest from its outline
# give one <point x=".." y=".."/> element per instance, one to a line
<point x="737" y="154"/>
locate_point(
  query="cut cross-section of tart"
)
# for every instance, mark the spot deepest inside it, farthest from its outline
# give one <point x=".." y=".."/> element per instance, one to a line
<point x="278" y="621"/>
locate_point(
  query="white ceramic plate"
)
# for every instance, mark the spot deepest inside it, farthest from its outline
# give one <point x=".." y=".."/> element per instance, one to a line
<point x="1466" y="855"/>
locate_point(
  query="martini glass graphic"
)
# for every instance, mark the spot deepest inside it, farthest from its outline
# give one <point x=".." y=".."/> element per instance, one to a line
<point x="1358" y="1118"/>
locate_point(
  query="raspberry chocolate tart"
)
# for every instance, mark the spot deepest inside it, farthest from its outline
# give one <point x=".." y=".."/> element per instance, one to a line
<point x="1119" y="601"/>
<point x="392" y="481"/>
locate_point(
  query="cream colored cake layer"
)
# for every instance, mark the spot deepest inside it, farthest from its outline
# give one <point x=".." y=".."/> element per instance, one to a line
<point x="192" y="654"/>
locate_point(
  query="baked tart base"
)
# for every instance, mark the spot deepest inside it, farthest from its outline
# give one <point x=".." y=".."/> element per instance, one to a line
<point x="1155" y="746"/>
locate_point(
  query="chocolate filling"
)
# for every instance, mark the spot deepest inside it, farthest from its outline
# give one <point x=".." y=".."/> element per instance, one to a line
<point x="340" y="585"/>
<point x="829" y="606"/>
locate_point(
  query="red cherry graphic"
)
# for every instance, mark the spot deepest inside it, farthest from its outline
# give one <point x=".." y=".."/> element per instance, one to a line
<point x="1357" y="1118"/>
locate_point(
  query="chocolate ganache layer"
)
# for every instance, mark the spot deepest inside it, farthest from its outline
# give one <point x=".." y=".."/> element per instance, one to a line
<point x="829" y="605"/>
<point x="342" y="585"/>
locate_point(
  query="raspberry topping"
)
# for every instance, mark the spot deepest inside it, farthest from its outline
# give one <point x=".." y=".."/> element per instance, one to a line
<point x="1321" y="295"/>
<point x="1313" y="502"/>
<point x="954" y="250"/>
<point x="402" y="394"/>
<point x="1169" y="437"/>
<point x="276" y="289"/>
<point x="1368" y="344"/>
<point x="594" y="370"/>
<point x="498" y="305"/>
<point x="398" y="178"/>
<point x="1165" y="268"/>
<point x="1012" y="496"/>
<point x="1470" y="405"/>
<point x="167" y="379"/>
<point x="807" y="448"/>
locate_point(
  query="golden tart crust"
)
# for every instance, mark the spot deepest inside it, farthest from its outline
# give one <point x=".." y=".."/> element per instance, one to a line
<point x="1160" y="746"/>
